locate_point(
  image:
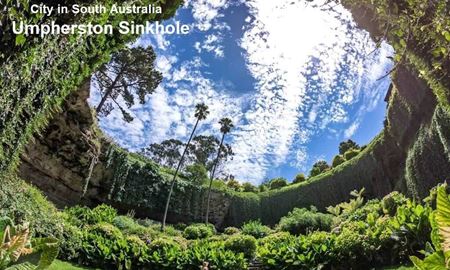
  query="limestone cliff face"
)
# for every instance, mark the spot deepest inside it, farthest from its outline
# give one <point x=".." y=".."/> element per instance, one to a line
<point x="58" y="160"/>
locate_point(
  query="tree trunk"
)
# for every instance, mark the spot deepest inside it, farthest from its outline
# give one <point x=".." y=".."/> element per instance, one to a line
<point x="108" y="92"/>
<point x="212" y="178"/>
<point x="163" y="224"/>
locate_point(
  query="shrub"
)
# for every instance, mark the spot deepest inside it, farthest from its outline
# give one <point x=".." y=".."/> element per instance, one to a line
<point x="275" y="238"/>
<point x="103" y="213"/>
<point x="255" y="229"/>
<point x="391" y="201"/>
<point x="197" y="173"/>
<point x="348" y="145"/>
<point x="161" y="244"/>
<point x="138" y="250"/>
<point x="351" y="154"/>
<point x="365" y="239"/>
<point x="301" y="220"/>
<point x="104" y="245"/>
<point x="231" y="230"/>
<point x="338" y="160"/>
<point x="23" y="203"/>
<point x="130" y="227"/>
<point x="82" y="215"/>
<point x="234" y="184"/>
<point x="299" y="178"/>
<point x="248" y="187"/>
<point x="214" y="254"/>
<point x="171" y="231"/>
<point x="148" y="222"/>
<point x="164" y="254"/>
<point x="245" y="244"/>
<point x="318" y="168"/>
<point x="180" y="226"/>
<point x="199" y="231"/>
<point x="124" y="222"/>
<point x="278" y="183"/>
<point x="70" y="242"/>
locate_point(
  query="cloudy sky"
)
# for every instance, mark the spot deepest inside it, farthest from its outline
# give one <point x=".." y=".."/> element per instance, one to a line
<point x="296" y="80"/>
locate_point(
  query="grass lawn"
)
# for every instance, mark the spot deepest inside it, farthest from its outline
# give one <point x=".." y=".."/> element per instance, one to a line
<point x="60" y="265"/>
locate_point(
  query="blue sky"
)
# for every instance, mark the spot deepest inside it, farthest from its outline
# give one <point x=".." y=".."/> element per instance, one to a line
<point x="295" y="79"/>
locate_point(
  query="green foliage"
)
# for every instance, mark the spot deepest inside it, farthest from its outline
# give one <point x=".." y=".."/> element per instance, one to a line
<point x="245" y="244"/>
<point x="22" y="203"/>
<point x="197" y="174"/>
<point x="85" y="215"/>
<point x="60" y="265"/>
<point x="231" y="230"/>
<point x="248" y="187"/>
<point x="365" y="238"/>
<point x="346" y="146"/>
<point x="351" y="154"/>
<point x="104" y="245"/>
<point x="130" y="72"/>
<point x="166" y="153"/>
<point x="234" y="184"/>
<point x="199" y="231"/>
<point x="338" y="160"/>
<point x="438" y="256"/>
<point x="132" y="173"/>
<point x="125" y="223"/>
<point x="277" y="183"/>
<point x="214" y="255"/>
<point x="392" y="201"/>
<point x="255" y="229"/>
<point x="16" y="243"/>
<point x="70" y="242"/>
<point x="301" y="221"/>
<point x="164" y="254"/>
<point x="299" y="178"/>
<point x="347" y="208"/>
<point x="319" y="167"/>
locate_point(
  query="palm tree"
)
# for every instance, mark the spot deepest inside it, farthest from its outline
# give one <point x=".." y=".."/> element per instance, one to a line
<point x="225" y="127"/>
<point x="201" y="112"/>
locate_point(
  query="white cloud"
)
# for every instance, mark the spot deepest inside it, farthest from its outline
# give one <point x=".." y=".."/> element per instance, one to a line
<point x="349" y="132"/>
<point x="212" y="43"/>
<point x="205" y="12"/>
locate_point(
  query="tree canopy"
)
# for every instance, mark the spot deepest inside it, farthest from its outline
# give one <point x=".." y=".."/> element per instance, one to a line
<point x="202" y="150"/>
<point x="131" y="72"/>
<point x="318" y="168"/>
<point x="345" y="146"/>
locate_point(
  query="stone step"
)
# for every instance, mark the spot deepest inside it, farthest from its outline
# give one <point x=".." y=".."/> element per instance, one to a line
<point x="255" y="265"/>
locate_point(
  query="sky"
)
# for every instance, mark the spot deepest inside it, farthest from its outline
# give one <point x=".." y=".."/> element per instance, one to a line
<point x="295" y="78"/>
